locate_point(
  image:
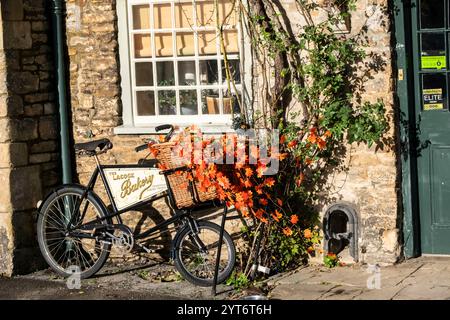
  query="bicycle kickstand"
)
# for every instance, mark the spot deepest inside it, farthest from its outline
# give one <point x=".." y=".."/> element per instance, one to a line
<point x="219" y="249"/>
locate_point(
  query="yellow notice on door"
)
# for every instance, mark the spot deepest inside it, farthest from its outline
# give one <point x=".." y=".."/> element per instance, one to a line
<point x="433" y="99"/>
<point x="433" y="62"/>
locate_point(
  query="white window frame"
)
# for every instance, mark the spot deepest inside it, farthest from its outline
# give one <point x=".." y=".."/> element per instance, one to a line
<point x="133" y="124"/>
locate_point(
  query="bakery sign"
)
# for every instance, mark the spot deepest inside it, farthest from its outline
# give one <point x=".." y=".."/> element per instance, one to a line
<point x="433" y="99"/>
<point x="132" y="185"/>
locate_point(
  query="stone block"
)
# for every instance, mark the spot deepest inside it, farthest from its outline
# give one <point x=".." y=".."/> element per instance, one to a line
<point x="23" y="224"/>
<point x="13" y="154"/>
<point x="33" y="110"/>
<point x="40" y="158"/>
<point x="28" y="260"/>
<point x="5" y="195"/>
<point x="4" y="129"/>
<point x="10" y="105"/>
<point x="44" y="146"/>
<point x="12" y="10"/>
<point x="17" y="35"/>
<point x="23" y="129"/>
<point x="25" y="184"/>
<point x="23" y="82"/>
<point x="6" y="244"/>
<point x="48" y="128"/>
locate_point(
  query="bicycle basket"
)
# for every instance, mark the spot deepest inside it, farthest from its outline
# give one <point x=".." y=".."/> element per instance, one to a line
<point x="185" y="193"/>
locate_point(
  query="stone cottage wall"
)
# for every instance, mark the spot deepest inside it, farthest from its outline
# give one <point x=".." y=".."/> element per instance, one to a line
<point x="369" y="184"/>
<point x="28" y="131"/>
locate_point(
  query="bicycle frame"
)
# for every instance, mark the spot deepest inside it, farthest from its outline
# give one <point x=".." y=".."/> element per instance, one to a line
<point x="99" y="171"/>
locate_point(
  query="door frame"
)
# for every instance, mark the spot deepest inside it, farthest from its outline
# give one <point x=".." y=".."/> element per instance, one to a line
<point x="405" y="120"/>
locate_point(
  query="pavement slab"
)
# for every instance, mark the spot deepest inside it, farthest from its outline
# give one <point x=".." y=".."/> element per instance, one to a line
<point x="423" y="278"/>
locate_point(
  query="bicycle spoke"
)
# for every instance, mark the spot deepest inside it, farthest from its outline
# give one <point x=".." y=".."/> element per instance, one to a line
<point x="66" y="251"/>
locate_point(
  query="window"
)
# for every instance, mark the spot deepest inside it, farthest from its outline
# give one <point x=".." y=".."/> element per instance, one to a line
<point x="177" y="70"/>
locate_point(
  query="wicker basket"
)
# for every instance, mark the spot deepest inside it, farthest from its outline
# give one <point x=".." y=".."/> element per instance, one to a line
<point x="185" y="193"/>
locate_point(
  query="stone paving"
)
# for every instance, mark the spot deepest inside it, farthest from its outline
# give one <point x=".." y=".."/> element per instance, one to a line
<point x="420" y="278"/>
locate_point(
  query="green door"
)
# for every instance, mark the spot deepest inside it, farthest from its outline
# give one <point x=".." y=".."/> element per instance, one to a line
<point x="431" y="41"/>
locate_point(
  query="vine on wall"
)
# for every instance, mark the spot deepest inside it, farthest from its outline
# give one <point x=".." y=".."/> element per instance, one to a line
<point x="322" y="72"/>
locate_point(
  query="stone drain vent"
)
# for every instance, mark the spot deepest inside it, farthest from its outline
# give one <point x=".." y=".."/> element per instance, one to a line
<point x="340" y="226"/>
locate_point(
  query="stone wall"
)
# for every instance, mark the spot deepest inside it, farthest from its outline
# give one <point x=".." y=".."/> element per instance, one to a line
<point x="370" y="183"/>
<point x="28" y="131"/>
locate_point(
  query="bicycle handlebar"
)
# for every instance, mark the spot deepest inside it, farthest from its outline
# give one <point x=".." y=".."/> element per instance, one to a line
<point x="141" y="148"/>
<point x="157" y="129"/>
<point x="165" y="127"/>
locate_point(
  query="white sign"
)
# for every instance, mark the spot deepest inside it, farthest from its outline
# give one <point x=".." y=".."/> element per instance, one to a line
<point x="132" y="185"/>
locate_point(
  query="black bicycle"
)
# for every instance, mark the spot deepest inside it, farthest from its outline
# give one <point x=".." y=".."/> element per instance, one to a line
<point x="76" y="228"/>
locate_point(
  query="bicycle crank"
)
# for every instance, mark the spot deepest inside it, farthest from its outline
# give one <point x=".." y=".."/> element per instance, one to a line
<point x="122" y="238"/>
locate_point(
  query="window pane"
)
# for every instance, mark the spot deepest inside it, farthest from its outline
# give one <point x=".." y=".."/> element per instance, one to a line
<point x="144" y="74"/>
<point x="432" y="14"/>
<point x="165" y="74"/>
<point x="145" y="103"/>
<point x="433" y="51"/>
<point x="207" y="43"/>
<point x="162" y="15"/>
<point x="210" y="102"/>
<point x="186" y="73"/>
<point x="235" y="74"/>
<point x="167" y="102"/>
<point x="185" y="44"/>
<point x="206" y="15"/>
<point x="142" y="46"/>
<point x="230" y="39"/>
<point x="434" y="93"/>
<point x="183" y="15"/>
<point x="208" y="72"/>
<point x="141" y="17"/>
<point x="163" y="44"/>
<point x="188" y="102"/>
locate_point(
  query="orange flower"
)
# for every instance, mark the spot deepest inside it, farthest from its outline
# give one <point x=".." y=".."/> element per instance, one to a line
<point x="282" y="139"/>
<point x="321" y="143"/>
<point x="287" y="231"/>
<point x="248" y="172"/>
<point x="224" y="182"/>
<point x="260" y="170"/>
<point x="300" y="179"/>
<point x="247" y="183"/>
<point x="269" y="182"/>
<point x="307" y="233"/>
<point x="277" y="215"/>
<point x="312" y="138"/>
<point x="294" y="219"/>
<point x="292" y="143"/>
<point x="283" y="156"/>
<point x="263" y="201"/>
<point x="280" y="202"/>
<point x="328" y="133"/>
<point x="331" y="255"/>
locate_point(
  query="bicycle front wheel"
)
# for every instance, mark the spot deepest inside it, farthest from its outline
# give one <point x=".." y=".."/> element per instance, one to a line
<point x="67" y="254"/>
<point x="197" y="265"/>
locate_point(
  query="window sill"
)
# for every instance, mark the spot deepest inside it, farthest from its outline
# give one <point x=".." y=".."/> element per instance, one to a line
<point x="150" y="129"/>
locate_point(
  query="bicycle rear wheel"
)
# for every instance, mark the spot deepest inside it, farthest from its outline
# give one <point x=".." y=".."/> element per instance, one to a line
<point x="63" y="252"/>
<point x="198" y="266"/>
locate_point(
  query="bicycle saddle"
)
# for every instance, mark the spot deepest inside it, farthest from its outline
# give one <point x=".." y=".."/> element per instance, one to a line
<point x="95" y="146"/>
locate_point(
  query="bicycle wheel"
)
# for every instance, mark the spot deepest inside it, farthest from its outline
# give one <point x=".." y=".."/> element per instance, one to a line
<point x="197" y="266"/>
<point x="65" y="253"/>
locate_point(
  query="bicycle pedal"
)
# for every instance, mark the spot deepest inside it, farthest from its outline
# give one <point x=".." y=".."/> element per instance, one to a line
<point x="147" y="250"/>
